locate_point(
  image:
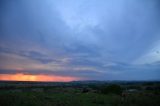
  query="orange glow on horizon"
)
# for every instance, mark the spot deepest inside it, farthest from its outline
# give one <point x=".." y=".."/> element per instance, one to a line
<point x="24" y="77"/>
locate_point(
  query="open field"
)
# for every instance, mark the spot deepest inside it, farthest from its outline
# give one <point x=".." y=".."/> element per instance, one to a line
<point x="79" y="94"/>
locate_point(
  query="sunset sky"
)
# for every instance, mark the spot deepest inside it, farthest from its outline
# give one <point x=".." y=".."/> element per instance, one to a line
<point x="67" y="40"/>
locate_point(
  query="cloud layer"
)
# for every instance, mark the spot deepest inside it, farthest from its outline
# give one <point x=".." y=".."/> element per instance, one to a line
<point x="86" y="39"/>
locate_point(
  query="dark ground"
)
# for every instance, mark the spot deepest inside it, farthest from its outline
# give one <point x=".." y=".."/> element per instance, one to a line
<point x="88" y="93"/>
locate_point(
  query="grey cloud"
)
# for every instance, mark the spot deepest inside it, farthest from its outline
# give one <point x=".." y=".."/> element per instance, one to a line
<point x="106" y="35"/>
<point x="33" y="55"/>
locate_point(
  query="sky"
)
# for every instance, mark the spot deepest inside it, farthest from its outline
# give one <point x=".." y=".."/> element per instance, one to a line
<point x="68" y="40"/>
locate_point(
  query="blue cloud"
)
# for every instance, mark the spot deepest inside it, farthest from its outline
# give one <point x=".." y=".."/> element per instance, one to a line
<point x="103" y="37"/>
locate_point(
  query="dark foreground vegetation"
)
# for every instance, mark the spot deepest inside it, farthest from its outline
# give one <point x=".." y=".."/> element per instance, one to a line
<point x="88" y="93"/>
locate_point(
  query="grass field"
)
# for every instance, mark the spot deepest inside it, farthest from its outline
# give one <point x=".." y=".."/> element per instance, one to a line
<point x="77" y="96"/>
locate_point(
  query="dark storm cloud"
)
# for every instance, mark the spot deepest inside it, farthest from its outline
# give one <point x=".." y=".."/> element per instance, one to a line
<point x="29" y="54"/>
<point x="92" y="39"/>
